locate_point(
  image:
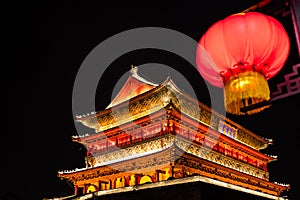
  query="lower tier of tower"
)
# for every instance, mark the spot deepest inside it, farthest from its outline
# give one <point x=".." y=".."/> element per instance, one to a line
<point x="170" y="163"/>
<point x="191" y="188"/>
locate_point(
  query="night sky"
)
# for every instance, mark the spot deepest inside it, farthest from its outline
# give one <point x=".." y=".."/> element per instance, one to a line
<point x="47" y="44"/>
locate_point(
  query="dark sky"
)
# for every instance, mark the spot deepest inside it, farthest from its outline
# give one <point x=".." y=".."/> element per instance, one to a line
<point x="47" y="44"/>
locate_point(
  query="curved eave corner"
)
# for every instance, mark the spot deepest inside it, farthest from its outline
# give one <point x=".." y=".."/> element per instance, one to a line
<point x="169" y="82"/>
<point x="266" y="142"/>
<point x="272" y="158"/>
<point x="283" y="186"/>
<point x="78" y="138"/>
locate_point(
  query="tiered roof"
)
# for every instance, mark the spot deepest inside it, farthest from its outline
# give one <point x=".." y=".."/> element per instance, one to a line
<point x="140" y="97"/>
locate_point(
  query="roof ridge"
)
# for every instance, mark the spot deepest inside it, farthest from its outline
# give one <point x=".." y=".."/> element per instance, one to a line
<point x="134" y="74"/>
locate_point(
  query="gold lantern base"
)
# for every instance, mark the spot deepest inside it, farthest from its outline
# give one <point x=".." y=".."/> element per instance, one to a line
<point x="244" y="89"/>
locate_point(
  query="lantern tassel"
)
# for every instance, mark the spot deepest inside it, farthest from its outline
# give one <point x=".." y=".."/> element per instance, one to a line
<point x="244" y="89"/>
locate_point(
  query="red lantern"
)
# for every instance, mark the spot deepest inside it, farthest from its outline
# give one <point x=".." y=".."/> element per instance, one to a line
<point x="240" y="53"/>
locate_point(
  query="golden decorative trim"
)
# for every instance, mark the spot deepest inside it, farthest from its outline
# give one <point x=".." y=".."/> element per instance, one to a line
<point x="135" y="151"/>
<point x="194" y="166"/>
<point x="213" y="156"/>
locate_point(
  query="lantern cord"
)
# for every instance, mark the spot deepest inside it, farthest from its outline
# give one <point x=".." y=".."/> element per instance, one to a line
<point x="258" y="5"/>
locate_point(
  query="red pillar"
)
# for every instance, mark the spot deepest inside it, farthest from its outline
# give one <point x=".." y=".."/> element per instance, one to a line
<point x="75" y="189"/>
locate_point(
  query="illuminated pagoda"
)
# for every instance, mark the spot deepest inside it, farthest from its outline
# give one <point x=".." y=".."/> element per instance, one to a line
<point x="158" y="134"/>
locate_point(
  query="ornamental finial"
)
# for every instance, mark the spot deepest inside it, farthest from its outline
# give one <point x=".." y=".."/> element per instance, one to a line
<point x="134" y="69"/>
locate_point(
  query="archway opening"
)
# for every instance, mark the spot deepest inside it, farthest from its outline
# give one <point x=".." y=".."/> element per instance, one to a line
<point x="145" y="179"/>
